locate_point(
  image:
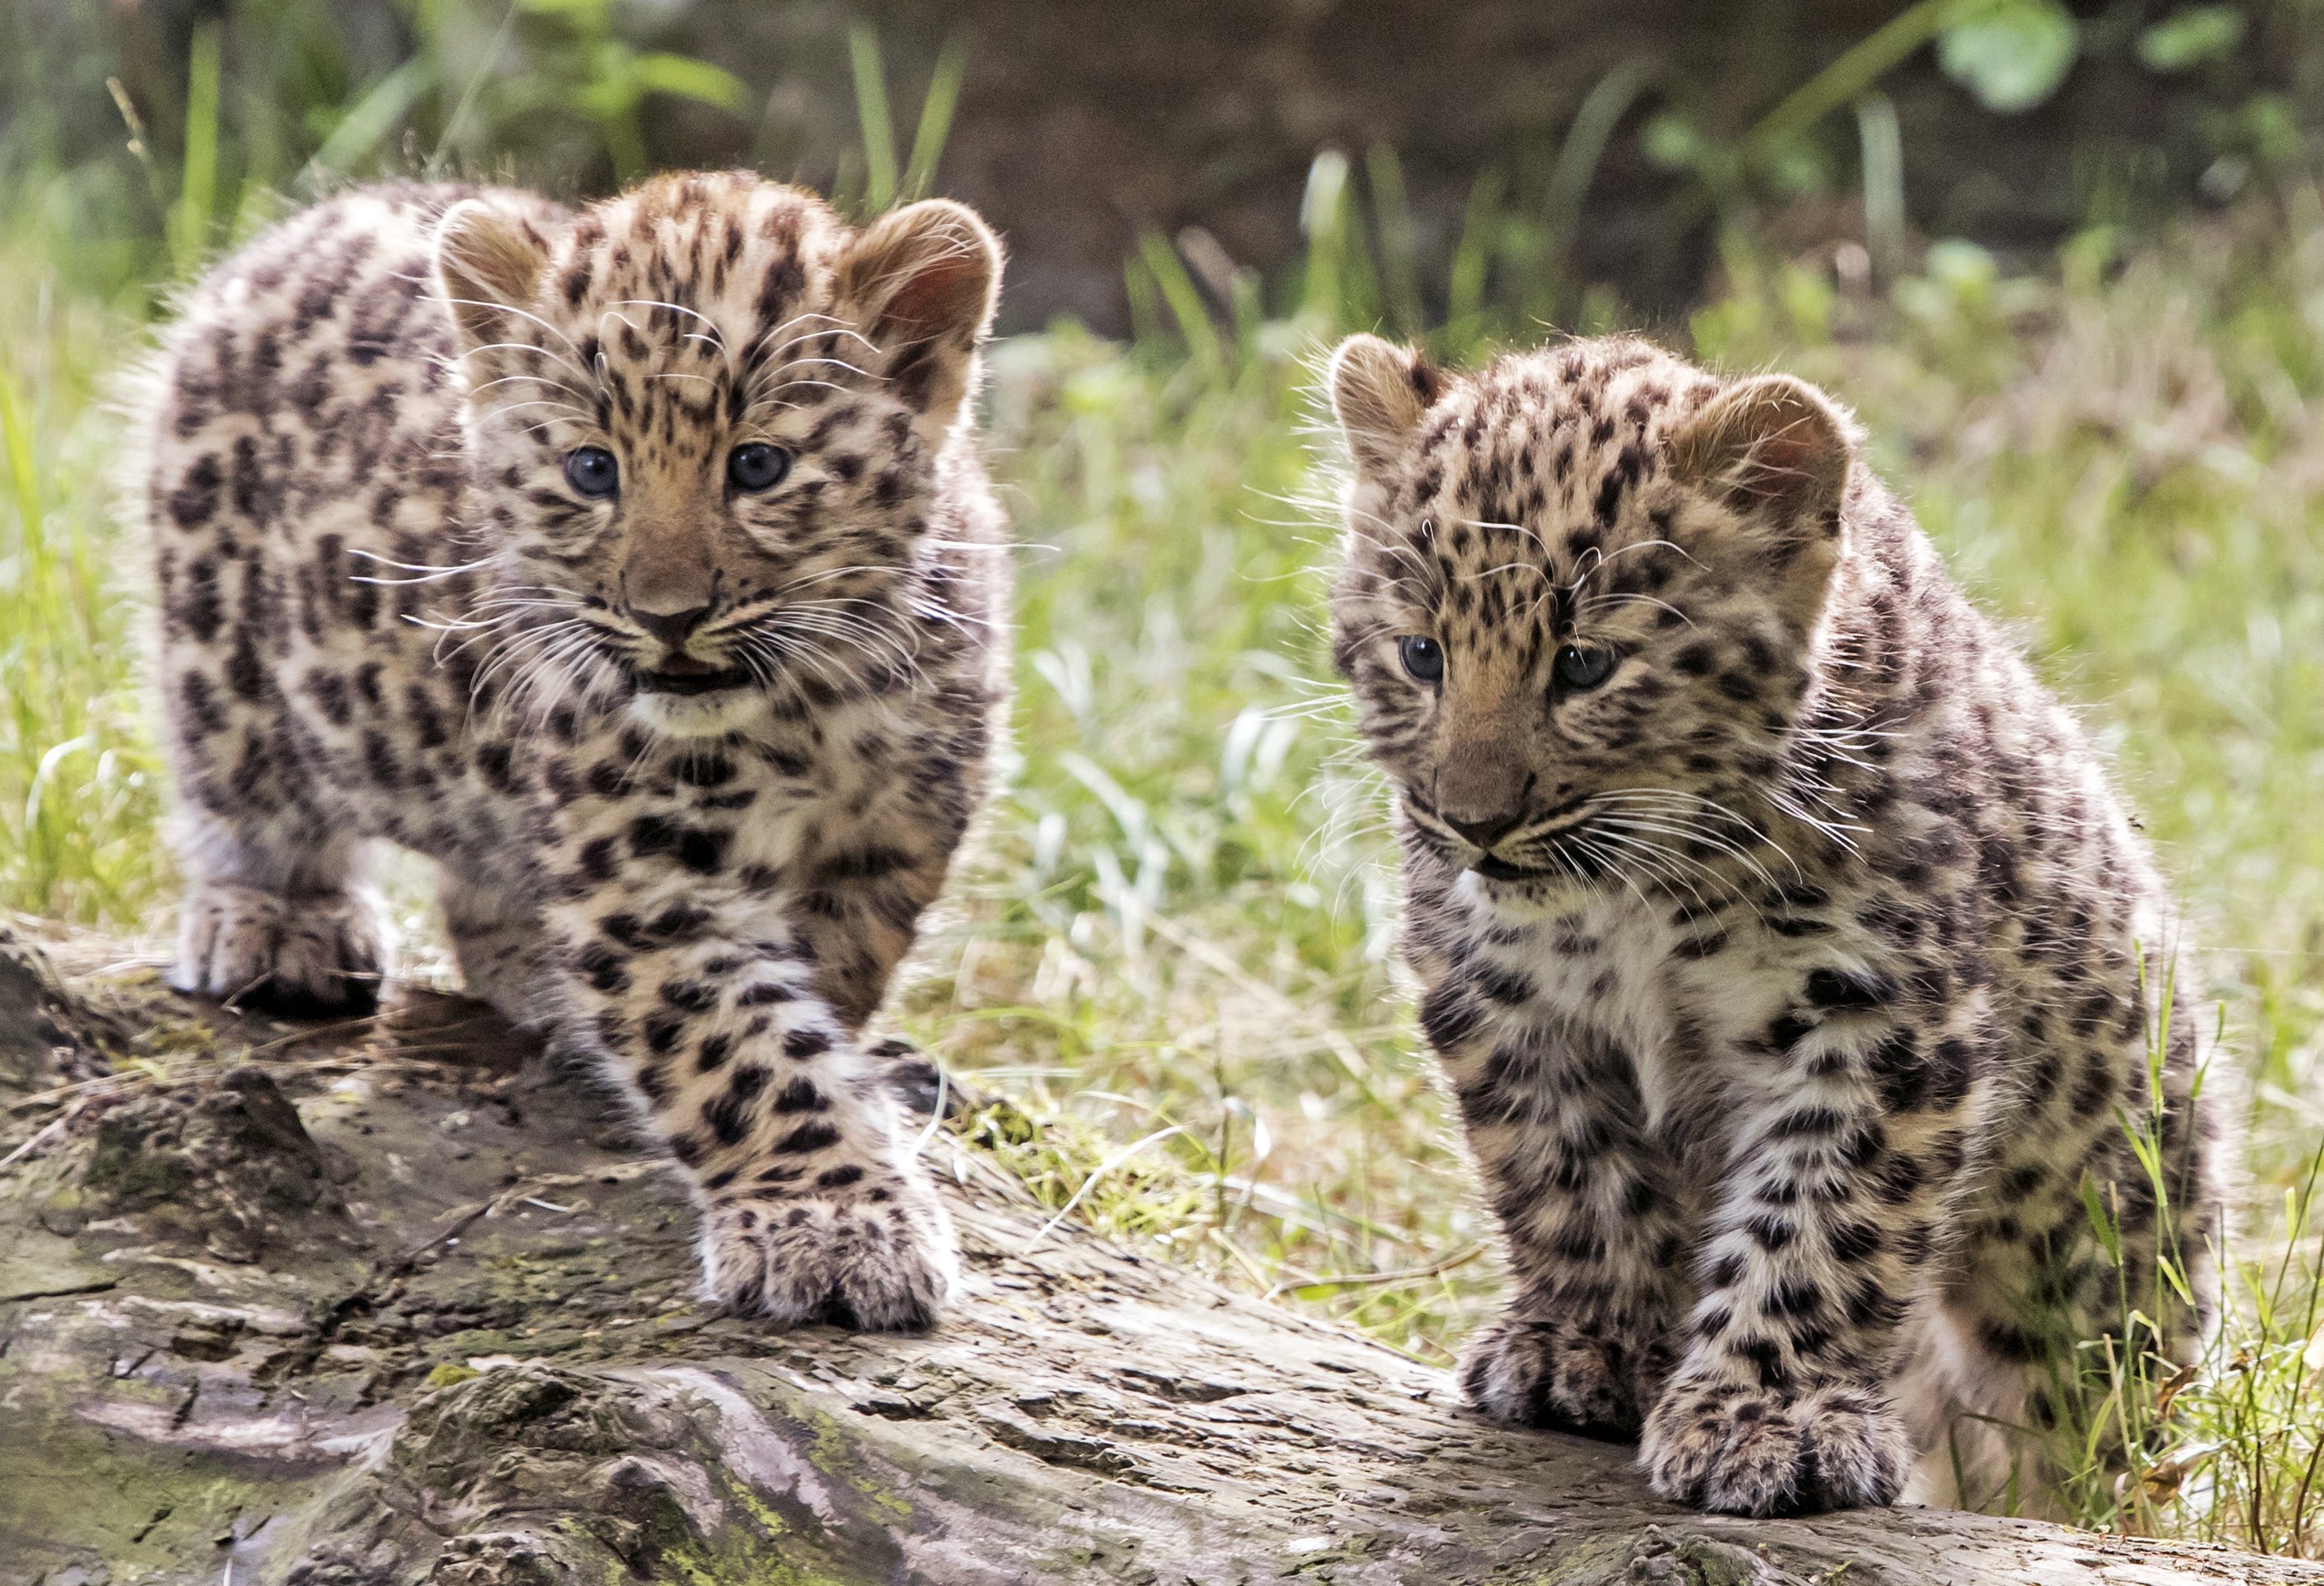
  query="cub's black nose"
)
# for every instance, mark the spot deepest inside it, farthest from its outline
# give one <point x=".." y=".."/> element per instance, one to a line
<point x="1489" y="831"/>
<point x="670" y="627"/>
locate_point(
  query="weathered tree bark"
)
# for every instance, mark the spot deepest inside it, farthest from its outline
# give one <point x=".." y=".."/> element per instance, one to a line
<point x="383" y="1305"/>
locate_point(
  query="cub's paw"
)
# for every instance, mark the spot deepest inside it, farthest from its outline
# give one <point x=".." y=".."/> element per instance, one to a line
<point x="1565" y="1376"/>
<point x="300" y="957"/>
<point x="1761" y="1452"/>
<point x="500" y="946"/>
<point x="880" y="1265"/>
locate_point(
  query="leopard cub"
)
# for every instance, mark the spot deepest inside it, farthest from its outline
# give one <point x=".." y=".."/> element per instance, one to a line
<point x="634" y="563"/>
<point x="1792" y="961"/>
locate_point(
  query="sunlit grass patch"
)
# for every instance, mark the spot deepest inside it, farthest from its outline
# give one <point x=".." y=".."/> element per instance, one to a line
<point x="2230" y="1449"/>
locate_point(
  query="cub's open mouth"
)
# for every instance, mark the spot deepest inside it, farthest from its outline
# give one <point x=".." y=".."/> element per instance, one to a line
<point x="1502" y="870"/>
<point x="708" y="680"/>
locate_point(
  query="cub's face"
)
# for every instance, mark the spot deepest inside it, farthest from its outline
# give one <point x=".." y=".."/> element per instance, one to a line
<point x="704" y="419"/>
<point x="1577" y="601"/>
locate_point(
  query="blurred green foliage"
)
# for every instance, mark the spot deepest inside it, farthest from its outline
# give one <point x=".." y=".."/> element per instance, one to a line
<point x="286" y="98"/>
<point x="225" y="107"/>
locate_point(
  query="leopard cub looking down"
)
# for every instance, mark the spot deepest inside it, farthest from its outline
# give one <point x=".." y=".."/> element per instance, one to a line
<point x="635" y="564"/>
<point x="1794" y="965"/>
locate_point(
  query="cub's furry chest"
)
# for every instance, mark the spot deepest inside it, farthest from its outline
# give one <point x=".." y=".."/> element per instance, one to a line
<point x="783" y="794"/>
<point x="1610" y="983"/>
<point x="1592" y="977"/>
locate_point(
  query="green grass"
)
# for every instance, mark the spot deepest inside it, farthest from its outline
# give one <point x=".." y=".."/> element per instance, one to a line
<point x="1170" y="948"/>
<point x="78" y="793"/>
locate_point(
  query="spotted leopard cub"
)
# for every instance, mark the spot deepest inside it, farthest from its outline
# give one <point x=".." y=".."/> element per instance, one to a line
<point x="635" y="563"/>
<point x="1792" y="962"/>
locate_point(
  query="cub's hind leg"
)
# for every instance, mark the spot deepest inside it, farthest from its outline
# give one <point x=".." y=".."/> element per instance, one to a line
<point x="498" y="939"/>
<point x="274" y="919"/>
<point x="2036" y="1290"/>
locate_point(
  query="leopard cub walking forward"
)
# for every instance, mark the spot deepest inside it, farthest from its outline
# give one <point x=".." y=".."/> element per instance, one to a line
<point x="1794" y="965"/>
<point x="634" y="563"/>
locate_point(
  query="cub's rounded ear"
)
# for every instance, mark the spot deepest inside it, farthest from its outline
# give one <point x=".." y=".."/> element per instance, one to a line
<point x="924" y="282"/>
<point x="488" y="263"/>
<point x="1380" y="390"/>
<point x="1772" y="445"/>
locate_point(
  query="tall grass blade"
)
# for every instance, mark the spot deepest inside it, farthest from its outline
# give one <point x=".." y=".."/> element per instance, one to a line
<point x="1881" y="143"/>
<point x="456" y="124"/>
<point x="197" y="205"/>
<point x="1323" y="217"/>
<point x="1145" y="300"/>
<point x="1472" y="259"/>
<point x="23" y="484"/>
<point x="871" y="113"/>
<point x="937" y="110"/>
<point x="141" y="147"/>
<point x="1185" y="299"/>
<point x="1400" y="241"/>
<point x="1584" y="146"/>
<point x="1857" y="68"/>
<point x="369" y="120"/>
<point x="1342" y="285"/>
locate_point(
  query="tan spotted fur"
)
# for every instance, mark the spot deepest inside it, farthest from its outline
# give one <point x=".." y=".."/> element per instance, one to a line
<point x="693" y="756"/>
<point x="1791" y="956"/>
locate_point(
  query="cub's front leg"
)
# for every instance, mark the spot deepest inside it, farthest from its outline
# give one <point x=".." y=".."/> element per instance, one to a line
<point x="1852" y="1122"/>
<point x="701" y="995"/>
<point x="1595" y="1244"/>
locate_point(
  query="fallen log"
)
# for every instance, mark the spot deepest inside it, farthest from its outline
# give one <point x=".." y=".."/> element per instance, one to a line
<point x="393" y="1303"/>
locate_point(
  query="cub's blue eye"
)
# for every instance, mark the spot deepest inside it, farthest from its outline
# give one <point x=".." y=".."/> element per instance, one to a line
<point x="1583" y="666"/>
<point x="591" y="472"/>
<point x="756" y="465"/>
<point x="1423" y="658"/>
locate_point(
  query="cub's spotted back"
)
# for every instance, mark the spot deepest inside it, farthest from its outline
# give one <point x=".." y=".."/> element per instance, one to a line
<point x="634" y="563"/>
<point x="1792" y="959"/>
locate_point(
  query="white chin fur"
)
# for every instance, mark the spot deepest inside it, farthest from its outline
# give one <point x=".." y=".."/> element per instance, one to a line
<point x="1540" y="898"/>
<point x="700" y="716"/>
